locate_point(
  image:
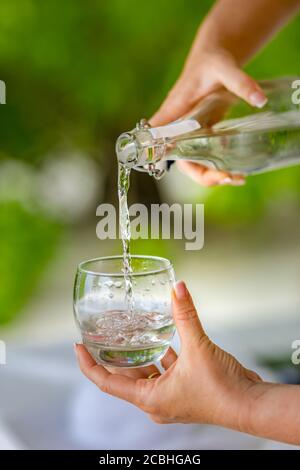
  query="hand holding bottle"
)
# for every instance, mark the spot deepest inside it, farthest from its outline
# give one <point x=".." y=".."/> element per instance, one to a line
<point x="230" y="35"/>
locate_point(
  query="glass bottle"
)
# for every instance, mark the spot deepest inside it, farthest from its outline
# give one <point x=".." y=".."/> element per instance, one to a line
<point x="223" y="132"/>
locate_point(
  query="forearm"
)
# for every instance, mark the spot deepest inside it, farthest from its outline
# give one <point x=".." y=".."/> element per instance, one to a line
<point x="242" y="28"/>
<point x="273" y="411"/>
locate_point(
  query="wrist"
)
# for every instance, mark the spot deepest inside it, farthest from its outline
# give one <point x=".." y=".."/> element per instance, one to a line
<point x="237" y="404"/>
<point x="211" y="41"/>
<point x="252" y="406"/>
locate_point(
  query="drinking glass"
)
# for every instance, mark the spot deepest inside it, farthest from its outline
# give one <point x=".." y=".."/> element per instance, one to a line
<point x="113" y="334"/>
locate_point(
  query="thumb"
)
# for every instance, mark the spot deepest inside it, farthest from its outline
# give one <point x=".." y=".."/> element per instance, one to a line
<point x="170" y="111"/>
<point x="185" y="316"/>
<point x="174" y="106"/>
<point x="241" y="84"/>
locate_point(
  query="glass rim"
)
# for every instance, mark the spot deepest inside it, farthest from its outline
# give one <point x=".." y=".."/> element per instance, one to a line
<point x="165" y="268"/>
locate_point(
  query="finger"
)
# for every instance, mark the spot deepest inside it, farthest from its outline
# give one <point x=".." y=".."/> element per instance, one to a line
<point x="209" y="177"/>
<point x="169" y="358"/>
<point x="157" y="419"/>
<point x="185" y="316"/>
<point x="145" y="372"/>
<point x="126" y="388"/>
<point x="241" y="84"/>
<point x="88" y="364"/>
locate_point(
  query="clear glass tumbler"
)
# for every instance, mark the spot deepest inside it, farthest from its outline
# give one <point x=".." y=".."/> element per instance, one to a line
<point x="113" y="335"/>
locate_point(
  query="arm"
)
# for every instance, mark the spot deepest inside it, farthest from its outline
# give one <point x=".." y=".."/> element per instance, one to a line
<point x="273" y="412"/>
<point x="203" y="385"/>
<point x="232" y="32"/>
<point x="243" y="28"/>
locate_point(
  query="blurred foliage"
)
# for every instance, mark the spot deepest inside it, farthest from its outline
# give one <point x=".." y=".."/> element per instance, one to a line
<point x="84" y="72"/>
<point x="79" y="73"/>
<point x="27" y="242"/>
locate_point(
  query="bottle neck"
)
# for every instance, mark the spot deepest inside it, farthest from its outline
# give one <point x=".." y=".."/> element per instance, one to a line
<point x="142" y="150"/>
<point x="146" y="148"/>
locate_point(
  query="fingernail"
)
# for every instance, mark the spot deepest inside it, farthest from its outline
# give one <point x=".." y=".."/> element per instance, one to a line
<point x="226" y="180"/>
<point x="75" y="347"/>
<point x="180" y="290"/>
<point x="258" y="99"/>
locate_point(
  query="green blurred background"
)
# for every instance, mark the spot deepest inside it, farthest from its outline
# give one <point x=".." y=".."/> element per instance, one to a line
<point x="77" y="75"/>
